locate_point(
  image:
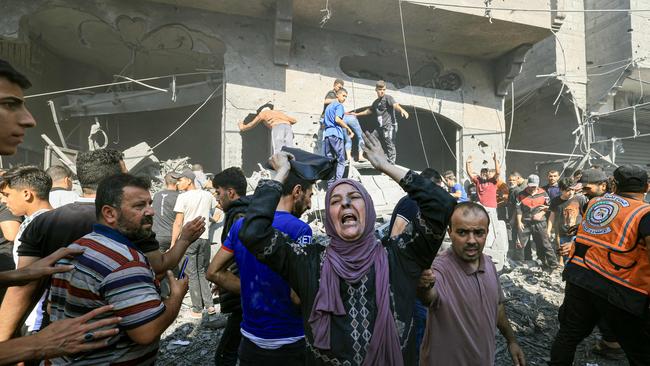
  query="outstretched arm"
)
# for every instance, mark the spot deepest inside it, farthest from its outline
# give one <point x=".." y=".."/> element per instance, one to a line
<point x="245" y="127"/>
<point x="365" y="112"/>
<point x="63" y="337"/>
<point x="497" y="166"/>
<point x="41" y="268"/>
<point x="162" y="262"/>
<point x="401" y="110"/>
<point x="435" y="204"/>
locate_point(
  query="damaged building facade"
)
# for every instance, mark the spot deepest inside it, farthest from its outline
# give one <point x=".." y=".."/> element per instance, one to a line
<point x="581" y="96"/>
<point x="203" y="66"/>
<point x="287" y="52"/>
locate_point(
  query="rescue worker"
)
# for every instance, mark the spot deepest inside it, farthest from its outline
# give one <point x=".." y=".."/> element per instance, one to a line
<point x="608" y="272"/>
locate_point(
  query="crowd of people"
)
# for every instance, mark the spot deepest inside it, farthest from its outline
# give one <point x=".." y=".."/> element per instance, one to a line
<point x="100" y="275"/>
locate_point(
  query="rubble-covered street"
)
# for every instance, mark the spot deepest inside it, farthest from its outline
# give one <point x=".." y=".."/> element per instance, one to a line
<point x="533" y="297"/>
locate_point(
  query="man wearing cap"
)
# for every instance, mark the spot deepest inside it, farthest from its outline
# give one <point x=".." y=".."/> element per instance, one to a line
<point x="532" y="205"/>
<point x="190" y="204"/>
<point x="278" y="122"/>
<point x="594" y="183"/>
<point x="608" y="272"/>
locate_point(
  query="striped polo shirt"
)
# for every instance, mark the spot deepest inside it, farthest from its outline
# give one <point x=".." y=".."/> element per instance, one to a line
<point x="111" y="271"/>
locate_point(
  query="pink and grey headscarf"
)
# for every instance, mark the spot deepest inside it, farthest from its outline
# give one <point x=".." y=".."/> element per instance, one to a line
<point x="350" y="261"/>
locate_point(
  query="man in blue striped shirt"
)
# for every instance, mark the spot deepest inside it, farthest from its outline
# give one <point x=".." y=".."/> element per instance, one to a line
<point x="114" y="271"/>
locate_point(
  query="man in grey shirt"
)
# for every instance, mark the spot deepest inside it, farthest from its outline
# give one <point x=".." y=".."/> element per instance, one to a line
<point x="163" y="204"/>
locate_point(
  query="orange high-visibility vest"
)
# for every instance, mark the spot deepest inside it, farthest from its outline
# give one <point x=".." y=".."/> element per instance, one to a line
<point x="610" y="231"/>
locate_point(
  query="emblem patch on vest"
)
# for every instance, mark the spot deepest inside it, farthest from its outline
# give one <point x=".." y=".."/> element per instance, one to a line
<point x="599" y="216"/>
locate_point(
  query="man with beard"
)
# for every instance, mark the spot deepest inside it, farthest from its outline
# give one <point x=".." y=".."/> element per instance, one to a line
<point x="59" y="227"/>
<point x="384" y="108"/>
<point x="465" y="298"/>
<point x="230" y="185"/>
<point x="113" y="270"/>
<point x="272" y="325"/>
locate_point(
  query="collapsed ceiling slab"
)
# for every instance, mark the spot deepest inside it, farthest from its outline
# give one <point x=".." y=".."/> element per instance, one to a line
<point x="76" y="105"/>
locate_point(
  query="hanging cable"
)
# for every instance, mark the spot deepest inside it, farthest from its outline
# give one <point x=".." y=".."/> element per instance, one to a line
<point x="512" y="115"/>
<point x="440" y="129"/>
<point x="122" y="82"/>
<point x="408" y="71"/>
<point x="190" y="117"/>
<point x="141" y="83"/>
<point x="532" y="10"/>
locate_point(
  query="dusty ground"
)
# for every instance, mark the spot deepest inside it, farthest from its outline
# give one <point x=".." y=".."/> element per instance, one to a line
<point x="533" y="297"/>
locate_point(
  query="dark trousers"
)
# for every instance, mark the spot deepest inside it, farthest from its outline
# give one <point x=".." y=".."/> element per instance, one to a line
<point x="199" y="253"/>
<point x="165" y="243"/>
<point x="228" y="347"/>
<point x="387" y="135"/>
<point x="288" y="355"/>
<point x="334" y="147"/>
<point x="543" y="246"/>
<point x="582" y="310"/>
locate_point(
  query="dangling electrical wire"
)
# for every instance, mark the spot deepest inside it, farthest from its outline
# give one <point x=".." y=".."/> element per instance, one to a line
<point x="190" y="117"/>
<point x="408" y="71"/>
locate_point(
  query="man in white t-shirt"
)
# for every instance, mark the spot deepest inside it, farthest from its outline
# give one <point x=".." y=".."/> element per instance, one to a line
<point x="191" y="204"/>
<point x="61" y="192"/>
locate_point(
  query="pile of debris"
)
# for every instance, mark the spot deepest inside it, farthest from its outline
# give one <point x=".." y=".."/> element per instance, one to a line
<point x="533" y="297"/>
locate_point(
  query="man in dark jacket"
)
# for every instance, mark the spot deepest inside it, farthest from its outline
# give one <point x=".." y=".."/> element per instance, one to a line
<point x="231" y="190"/>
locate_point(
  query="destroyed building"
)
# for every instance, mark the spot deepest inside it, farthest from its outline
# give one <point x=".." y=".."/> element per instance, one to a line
<point x="177" y="77"/>
<point x="580" y="98"/>
<point x="460" y="65"/>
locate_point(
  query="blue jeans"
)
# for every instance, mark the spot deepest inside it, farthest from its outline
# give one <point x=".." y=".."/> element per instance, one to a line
<point x="353" y="123"/>
<point x="333" y="147"/>
<point x="420" y="318"/>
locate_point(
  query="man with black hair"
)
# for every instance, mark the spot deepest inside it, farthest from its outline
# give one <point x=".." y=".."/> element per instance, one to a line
<point x="272" y="325"/>
<point x="278" y="122"/>
<point x="113" y="270"/>
<point x="25" y="190"/>
<point x="68" y="336"/>
<point x="14" y="116"/>
<point x="230" y="185"/>
<point x="331" y="95"/>
<point x="384" y="108"/>
<point x="61" y="192"/>
<point x="565" y="213"/>
<point x="333" y="136"/>
<point x="532" y="205"/>
<point x="553" y="188"/>
<point x="455" y="189"/>
<point x="59" y="227"/>
<point x="464" y="296"/>
<point x="608" y="272"/>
